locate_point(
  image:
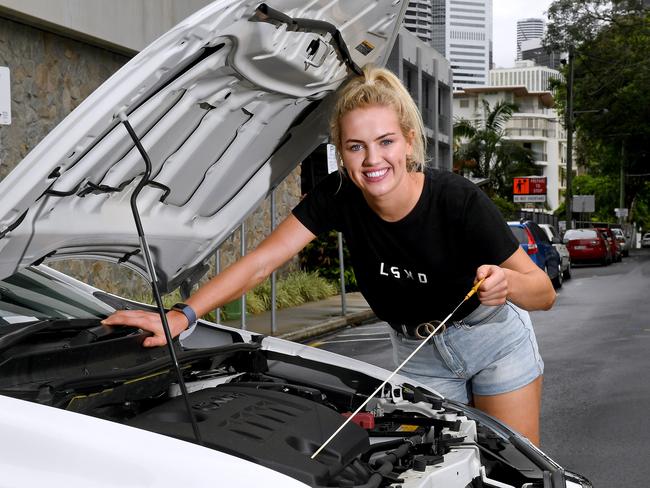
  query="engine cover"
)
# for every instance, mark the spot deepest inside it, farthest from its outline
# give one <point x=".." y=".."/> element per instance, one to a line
<point x="274" y="429"/>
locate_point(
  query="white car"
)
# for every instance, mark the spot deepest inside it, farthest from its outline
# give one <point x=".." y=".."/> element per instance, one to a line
<point x="565" y="257"/>
<point x="645" y="240"/>
<point x="223" y="107"/>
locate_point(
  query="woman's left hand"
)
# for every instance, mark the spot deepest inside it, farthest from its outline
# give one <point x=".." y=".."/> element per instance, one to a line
<point x="494" y="290"/>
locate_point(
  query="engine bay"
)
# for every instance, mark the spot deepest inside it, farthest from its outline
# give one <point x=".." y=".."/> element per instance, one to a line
<point x="266" y="406"/>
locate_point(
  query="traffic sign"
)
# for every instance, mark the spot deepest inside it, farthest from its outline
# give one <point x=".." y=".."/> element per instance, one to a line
<point x="621" y="212"/>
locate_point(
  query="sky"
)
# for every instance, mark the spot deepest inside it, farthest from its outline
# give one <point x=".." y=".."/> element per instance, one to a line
<point x="505" y="14"/>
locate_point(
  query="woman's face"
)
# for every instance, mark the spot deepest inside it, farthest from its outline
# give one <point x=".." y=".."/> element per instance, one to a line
<point x="374" y="150"/>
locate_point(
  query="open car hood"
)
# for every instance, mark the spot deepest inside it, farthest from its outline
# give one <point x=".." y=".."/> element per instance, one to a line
<point x="226" y="104"/>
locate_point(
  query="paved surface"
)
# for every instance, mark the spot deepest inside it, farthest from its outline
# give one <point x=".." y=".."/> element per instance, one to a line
<point x="310" y="319"/>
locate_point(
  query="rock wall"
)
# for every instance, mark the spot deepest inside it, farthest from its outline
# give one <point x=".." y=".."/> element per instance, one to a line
<point x="50" y="76"/>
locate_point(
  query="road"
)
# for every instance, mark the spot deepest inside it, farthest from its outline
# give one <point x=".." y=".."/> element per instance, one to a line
<point x="596" y="346"/>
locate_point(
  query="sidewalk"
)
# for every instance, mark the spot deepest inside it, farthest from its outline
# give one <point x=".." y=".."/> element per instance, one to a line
<point x="309" y="319"/>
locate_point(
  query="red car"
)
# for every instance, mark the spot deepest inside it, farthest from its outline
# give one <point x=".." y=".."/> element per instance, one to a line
<point x="588" y="245"/>
<point x="617" y="252"/>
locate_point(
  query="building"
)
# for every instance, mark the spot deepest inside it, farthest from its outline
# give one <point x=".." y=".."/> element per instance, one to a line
<point x="528" y="29"/>
<point x="428" y="78"/>
<point x="419" y="19"/>
<point x="535" y="126"/>
<point x="462" y="32"/>
<point x="532" y="50"/>
<point x="527" y="73"/>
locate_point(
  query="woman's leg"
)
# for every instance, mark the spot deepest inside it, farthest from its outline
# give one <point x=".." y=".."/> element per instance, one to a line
<point x="519" y="409"/>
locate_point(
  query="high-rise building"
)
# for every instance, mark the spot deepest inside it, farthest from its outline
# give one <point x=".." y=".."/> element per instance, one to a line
<point x="462" y="32"/>
<point x="533" y="50"/>
<point x="419" y="20"/>
<point x="528" y="29"/>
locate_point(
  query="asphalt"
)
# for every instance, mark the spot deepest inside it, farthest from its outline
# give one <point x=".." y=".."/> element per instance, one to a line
<point x="309" y="320"/>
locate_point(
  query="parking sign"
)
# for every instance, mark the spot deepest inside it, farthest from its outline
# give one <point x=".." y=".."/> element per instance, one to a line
<point x="5" y="96"/>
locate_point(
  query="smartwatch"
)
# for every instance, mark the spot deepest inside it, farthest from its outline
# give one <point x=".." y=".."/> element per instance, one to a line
<point x="186" y="310"/>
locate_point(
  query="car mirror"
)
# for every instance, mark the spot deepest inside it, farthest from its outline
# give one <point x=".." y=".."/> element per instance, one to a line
<point x="556" y="240"/>
<point x="565" y="241"/>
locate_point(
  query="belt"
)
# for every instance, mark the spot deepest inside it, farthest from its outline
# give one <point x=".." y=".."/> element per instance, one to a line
<point x="419" y="331"/>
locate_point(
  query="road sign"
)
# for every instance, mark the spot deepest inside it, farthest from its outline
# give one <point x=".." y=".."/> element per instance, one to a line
<point x="529" y="189"/>
<point x="621" y="212"/>
<point x="584" y="203"/>
<point x="529" y="198"/>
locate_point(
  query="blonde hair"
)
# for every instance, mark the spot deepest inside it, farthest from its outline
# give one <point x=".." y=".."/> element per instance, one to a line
<point x="379" y="86"/>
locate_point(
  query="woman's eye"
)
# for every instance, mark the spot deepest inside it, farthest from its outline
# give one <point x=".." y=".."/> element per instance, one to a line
<point x="386" y="142"/>
<point x="355" y="147"/>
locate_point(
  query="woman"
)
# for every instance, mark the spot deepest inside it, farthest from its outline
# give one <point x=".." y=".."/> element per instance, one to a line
<point x="419" y="240"/>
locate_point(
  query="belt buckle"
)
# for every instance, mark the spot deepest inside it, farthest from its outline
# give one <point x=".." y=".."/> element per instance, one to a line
<point x="425" y="329"/>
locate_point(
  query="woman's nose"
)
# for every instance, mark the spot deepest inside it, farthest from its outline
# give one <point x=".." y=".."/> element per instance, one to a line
<point x="372" y="156"/>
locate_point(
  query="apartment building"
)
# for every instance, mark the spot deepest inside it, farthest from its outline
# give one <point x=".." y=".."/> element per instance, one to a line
<point x="535" y="126"/>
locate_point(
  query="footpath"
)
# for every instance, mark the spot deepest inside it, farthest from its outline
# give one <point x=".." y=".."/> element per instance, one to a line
<point x="309" y="320"/>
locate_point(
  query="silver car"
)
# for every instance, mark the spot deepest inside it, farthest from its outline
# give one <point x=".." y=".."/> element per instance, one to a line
<point x="562" y="250"/>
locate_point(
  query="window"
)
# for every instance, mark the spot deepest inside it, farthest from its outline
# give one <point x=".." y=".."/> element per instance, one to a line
<point x="464" y="103"/>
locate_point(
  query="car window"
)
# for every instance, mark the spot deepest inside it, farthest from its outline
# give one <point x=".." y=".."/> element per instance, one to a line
<point x="520" y="234"/>
<point x="31" y="294"/>
<point x="580" y="234"/>
<point x="538" y="234"/>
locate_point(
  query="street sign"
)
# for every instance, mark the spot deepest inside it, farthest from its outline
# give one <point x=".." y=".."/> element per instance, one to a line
<point x="584" y="203"/>
<point x="621" y="212"/>
<point x="529" y="198"/>
<point x="5" y="96"/>
<point x="529" y="189"/>
<point x="332" y="163"/>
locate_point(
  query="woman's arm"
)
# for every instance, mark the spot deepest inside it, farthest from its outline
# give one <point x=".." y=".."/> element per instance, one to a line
<point x="517" y="279"/>
<point x="281" y="245"/>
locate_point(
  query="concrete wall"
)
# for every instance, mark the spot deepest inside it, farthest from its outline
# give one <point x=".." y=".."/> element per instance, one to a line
<point x="123" y="25"/>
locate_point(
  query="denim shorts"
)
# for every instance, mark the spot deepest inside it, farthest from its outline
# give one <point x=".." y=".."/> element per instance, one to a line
<point x="491" y="351"/>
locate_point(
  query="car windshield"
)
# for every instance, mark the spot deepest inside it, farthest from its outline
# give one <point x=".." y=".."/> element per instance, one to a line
<point x="31" y="294"/>
<point x="580" y="234"/>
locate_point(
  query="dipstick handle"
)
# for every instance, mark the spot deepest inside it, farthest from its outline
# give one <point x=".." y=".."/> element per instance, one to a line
<point x="474" y="288"/>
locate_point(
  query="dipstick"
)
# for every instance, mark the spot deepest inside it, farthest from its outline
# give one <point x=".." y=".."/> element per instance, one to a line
<point x="381" y="387"/>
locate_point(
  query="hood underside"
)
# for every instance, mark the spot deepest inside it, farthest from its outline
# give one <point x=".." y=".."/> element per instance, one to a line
<point x="226" y="104"/>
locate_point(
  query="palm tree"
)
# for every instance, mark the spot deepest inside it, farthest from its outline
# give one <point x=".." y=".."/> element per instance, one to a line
<point x="482" y="150"/>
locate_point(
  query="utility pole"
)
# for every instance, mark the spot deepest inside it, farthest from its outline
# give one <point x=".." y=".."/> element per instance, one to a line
<point x="621" y="198"/>
<point x="568" y="194"/>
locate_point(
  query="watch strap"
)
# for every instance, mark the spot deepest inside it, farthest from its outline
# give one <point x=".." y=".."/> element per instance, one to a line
<point x="186" y="310"/>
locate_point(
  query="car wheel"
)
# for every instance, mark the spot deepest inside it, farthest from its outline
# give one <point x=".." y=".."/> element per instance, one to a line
<point x="567" y="272"/>
<point x="557" y="281"/>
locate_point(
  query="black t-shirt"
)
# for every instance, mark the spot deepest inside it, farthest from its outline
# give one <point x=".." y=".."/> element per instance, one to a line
<point x="418" y="268"/>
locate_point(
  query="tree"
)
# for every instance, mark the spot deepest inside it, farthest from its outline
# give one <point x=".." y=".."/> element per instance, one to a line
<point x="483" y="150"/>
<point x="610" y="40"/>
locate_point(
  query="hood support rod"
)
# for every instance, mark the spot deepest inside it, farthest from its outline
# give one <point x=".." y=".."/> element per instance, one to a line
<point x="152" y="271"/>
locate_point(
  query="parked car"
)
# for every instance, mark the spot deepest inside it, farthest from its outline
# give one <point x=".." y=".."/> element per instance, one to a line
<point x="624" y="243"/>
<point x="538" y="246"/>
<point x="645" y="240"/>
<point x="565" y="257"/>
<point x="223" y="106"/>
<point x="587" y="245"/>
<point x="616" y="251"/>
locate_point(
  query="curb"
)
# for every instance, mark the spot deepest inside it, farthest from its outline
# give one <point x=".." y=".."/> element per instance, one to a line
<point x="327" y="326"/>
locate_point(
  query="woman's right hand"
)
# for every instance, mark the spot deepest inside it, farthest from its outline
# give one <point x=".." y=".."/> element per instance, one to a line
<point x="150" y="322"/>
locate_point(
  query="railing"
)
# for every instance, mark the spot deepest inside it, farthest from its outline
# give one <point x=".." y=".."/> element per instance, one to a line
<point x="242" y="232"/>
